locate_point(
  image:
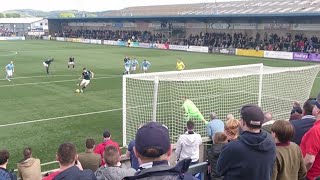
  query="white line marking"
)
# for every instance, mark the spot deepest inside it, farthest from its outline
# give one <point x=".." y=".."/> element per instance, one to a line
<point x="48" y="76"/>
<point x="12" y="53"/>
<point x="61" y="117"/>
<point x="36" y="83"/>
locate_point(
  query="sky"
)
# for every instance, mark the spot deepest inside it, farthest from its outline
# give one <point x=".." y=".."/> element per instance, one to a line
<point x="88" y="5"/>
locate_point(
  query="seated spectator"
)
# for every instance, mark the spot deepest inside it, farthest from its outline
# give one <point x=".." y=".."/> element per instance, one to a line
<point x="153" y="149"/>
<point x="70" y="167"/>
<point x="89" y="159"/>
<point x="99" y="149"/>
<point x="219" y="139"/>
<point x="5" y="174"/>
<point x="229" y="117"/>
<point x="296" y="108"/>
<point x="295" y="116"/>
<point x="188" y="144"/>
<point x="215" y="125"/>
<point x="113" y="170"/>
<point x="29" y="168"/>
<point x="267" y="123"/>
<point x="253" y="155"/>
<point x="310" y="145"/>
<point x="232" y="128"/>
<point x="130" y="154"/>
<point x="289" y="162"/>
<point x="301" y="126"/>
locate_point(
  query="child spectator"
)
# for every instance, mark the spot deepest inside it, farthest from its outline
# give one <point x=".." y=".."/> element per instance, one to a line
<point x="232" y="129"/>
<point x="219" y="139"/>
<point x="289" y="162"/>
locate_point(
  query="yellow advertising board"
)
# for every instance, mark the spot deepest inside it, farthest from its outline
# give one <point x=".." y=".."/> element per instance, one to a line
<point x="249" y="52"/>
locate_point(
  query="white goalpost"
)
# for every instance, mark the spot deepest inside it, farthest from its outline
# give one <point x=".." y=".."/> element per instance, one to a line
<point x="158" y="96"/>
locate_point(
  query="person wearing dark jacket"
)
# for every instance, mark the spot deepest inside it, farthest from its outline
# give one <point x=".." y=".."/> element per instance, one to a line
<point x="219" y="139"/>
<point x="301" y="126"/>
<point x="70" y="167"/>
<point x="251" y="157"/>
<point x="153" y="150"/>
<point x="5" y="174"/>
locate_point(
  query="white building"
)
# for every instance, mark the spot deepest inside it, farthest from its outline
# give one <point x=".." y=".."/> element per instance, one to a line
<point x="21" y="26"/>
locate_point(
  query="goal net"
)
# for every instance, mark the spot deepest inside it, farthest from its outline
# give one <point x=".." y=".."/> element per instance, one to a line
<point x="158" y="96"/>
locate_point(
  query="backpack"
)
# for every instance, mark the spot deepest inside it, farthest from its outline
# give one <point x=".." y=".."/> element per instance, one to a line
<point x="6" y="175"/>
<point x="180" y="171"/>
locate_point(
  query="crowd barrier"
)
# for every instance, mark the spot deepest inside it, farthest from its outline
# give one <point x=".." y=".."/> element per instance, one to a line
<point x="12" y="38"/>
<point x="295" y="56"/>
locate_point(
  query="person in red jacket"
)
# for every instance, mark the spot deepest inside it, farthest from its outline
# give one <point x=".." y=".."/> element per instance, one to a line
<point x="106" y="142"/>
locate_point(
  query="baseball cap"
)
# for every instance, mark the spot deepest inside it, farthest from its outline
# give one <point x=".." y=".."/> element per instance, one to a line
<point x="152" y="136"/>
<point x="252" y="114"/>
<point x="317" y="104"/>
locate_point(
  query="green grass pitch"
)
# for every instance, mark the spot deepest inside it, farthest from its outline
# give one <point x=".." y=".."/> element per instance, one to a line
<point x="35" y="96"/>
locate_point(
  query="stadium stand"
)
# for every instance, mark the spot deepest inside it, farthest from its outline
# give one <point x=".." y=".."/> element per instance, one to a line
<point x="224" y="8"/>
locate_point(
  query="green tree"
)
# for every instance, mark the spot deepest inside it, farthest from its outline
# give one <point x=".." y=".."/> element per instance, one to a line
<point x="1" y="15"/>
<point x="66" y="15"/>
<point x="13" y="15"/>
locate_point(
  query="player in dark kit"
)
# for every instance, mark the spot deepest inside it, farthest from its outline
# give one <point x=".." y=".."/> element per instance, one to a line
<point x="86" y="76"/>
<point x="47" y="63"/>
<point x="71" y="62"/>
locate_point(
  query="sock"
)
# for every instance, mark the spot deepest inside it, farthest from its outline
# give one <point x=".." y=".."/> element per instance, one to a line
<point x="68" y="67"/>
<point x="47" y="70"/>
<point x="73" y="66"/>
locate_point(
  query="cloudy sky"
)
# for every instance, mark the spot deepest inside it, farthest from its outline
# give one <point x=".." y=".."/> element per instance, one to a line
<point x="88" y="5"/>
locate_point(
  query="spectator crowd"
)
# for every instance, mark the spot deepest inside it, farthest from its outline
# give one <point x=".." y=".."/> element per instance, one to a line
<point x="271" y="42"/>
<point x="253" y="147"/>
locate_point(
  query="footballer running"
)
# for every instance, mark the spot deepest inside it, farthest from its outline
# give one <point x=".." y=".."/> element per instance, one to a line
<point x="47" y="64"/>
<point x="86" y="76"/>
<point x="71" y="63"/>
<point x="10" y="70"/>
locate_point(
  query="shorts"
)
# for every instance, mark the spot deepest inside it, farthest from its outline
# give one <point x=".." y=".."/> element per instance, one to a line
<point x="45" y="64"/>
<point x="133" y="68"/>
<point x="70" y="63"/>
<point x="145" y="68"/>
<point x="9" y="72"/>
<point x="127" y="68"/>
<point x="84" y="82"/>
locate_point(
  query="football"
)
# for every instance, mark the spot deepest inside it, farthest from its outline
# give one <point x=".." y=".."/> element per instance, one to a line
<point x="77" y="91"/>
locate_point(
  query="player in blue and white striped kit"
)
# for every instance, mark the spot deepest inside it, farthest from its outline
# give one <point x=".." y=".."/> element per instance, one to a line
<point x="127" y="66"/>
<point x="10" y="70"/>
<point x="145" y="65"/>
<point x="134" y="65"/>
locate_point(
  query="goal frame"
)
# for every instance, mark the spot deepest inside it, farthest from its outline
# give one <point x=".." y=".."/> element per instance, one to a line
<point x="156" y="83"/>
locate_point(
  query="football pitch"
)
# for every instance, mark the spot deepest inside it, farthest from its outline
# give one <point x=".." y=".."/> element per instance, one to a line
<point x="42" y="111"/>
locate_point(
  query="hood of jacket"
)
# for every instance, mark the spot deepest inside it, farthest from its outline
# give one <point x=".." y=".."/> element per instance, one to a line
<point x="191" y="139"/>
<point x="28" y="162"/>
<point x="258" y="141"/>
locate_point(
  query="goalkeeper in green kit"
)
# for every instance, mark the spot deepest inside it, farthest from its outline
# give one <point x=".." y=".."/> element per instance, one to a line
<point x="191" y="110"/>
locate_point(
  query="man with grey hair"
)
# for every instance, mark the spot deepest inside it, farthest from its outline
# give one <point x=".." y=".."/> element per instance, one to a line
<point x="215" y="125"/>
<point x="267" y="122"/>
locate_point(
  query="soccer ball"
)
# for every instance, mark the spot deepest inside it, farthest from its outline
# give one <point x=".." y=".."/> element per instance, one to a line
<point x="77" y="91"/>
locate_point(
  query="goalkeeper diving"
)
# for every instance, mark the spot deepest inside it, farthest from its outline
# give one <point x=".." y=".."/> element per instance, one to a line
<point x="191" y="110"/>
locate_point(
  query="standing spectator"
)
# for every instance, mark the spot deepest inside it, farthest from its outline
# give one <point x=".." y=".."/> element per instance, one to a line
<point x="4" y="173"/>
<point x="289" y="162"/>
<point x="253" y="155"/>
<point x="29" y="168"/>
<point x="113" y="170"/>
<point x="267" y="123"/>
<point x="106" y="141"/>
<point x="310" y="145"/>
<point x="215" y="125"/>
<point x="232" y="128"/>
<point x="188" y="144"/>
<point x="301" y="126"/>
<point x="153" y="149"/>
<point x="130" y="154"/>
<point x="70" y="167"/>
<point x="219" y="139"/>
<point x="88" y="159"/>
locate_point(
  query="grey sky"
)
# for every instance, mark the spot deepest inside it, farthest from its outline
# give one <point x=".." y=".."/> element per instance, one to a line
<point x="88" y="5"/>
